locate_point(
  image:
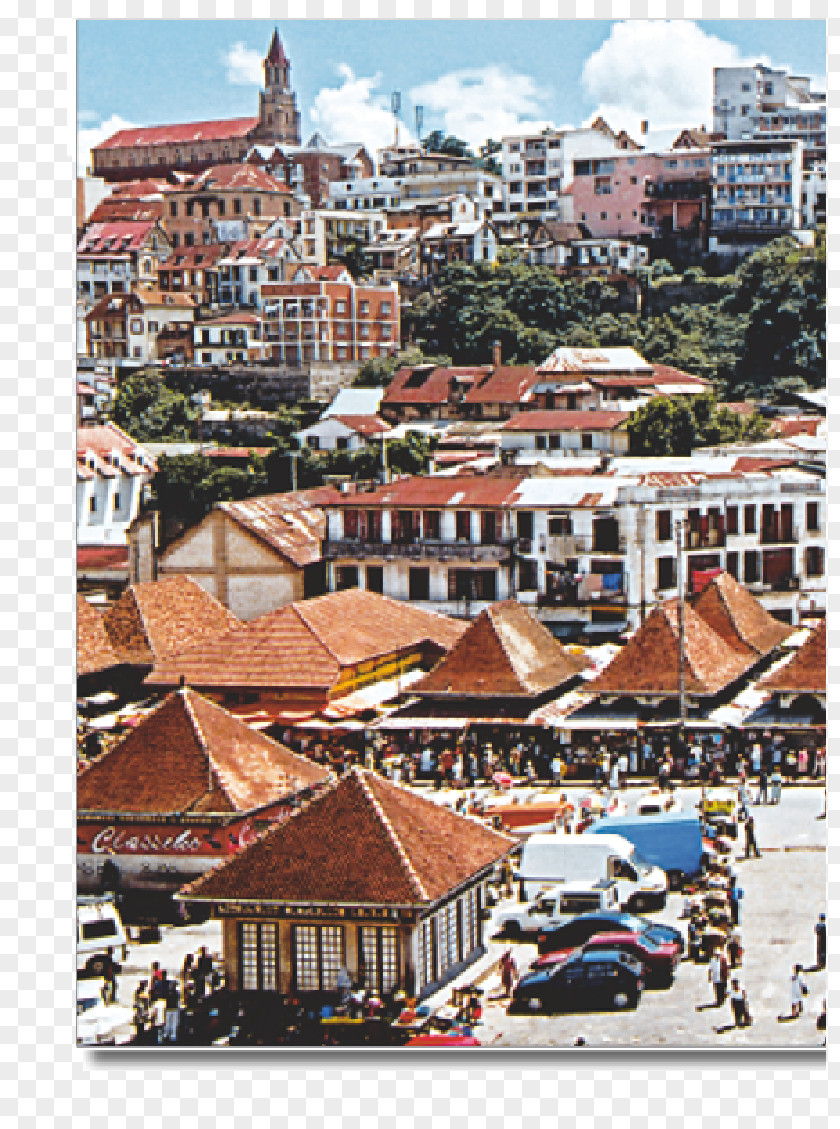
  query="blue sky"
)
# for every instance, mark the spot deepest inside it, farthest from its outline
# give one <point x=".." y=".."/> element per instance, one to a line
<point x="475" y="78"/>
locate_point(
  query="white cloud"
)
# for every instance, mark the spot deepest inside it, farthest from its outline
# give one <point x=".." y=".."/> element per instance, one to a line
<point x="659" y="71"/>
<point x="354" y="111"/>
<point x="480" y="103"/>
<point x="244" y="66"/>
<point x="89" y="136"/>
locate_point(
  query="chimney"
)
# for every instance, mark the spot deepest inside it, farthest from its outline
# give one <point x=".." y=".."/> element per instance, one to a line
<point x="497" y="354"/>
<point x="644" y="127"/>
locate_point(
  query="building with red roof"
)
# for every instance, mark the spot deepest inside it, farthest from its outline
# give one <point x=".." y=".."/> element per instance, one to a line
<point x="111" y="472"/>
<point x="193" y="146"/>
<point x="567" y="432"/>
<point x="115" y="256"/>
<point x="402" y="909"/>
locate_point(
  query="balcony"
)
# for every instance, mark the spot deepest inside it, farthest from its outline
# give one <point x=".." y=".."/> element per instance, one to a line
<point x="677" y="190"/>
<point x="427" y="550"/>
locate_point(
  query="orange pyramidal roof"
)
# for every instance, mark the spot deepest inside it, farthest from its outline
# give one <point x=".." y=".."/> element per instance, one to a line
<point x="364" y="841"/>
<point x="190" y="755"/>
<point x="805" y="673"/>
<point x="504" y="651"/>
<point x="737" y="616"/>
<point x="650" y="663"/>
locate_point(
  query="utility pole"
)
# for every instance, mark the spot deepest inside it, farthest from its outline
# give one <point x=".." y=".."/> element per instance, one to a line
<point x="678" y="526"/>
<point x="294" y="458"/>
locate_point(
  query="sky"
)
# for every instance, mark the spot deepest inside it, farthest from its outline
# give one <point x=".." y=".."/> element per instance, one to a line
<point x="474" y="78"/>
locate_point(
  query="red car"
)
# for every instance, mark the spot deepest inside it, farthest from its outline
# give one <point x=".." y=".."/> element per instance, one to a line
<point x="660" y="958"/>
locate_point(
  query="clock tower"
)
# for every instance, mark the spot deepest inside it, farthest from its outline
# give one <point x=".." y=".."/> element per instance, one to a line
<point x="279" y="117"/>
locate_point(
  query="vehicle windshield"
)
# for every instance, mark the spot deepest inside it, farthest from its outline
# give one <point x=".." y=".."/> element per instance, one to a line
<point x="85" y="1005"/>
<point x="641" y="864"/>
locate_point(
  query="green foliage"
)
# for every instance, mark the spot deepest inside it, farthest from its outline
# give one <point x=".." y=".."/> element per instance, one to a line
<point x="676" y="425"/>
<point x="150" y="411"/>
<point x="355" y="258"/>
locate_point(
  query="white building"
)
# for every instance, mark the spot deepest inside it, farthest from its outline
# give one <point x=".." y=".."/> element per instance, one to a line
<point x="111" y="471"/>
<point x="343" y="433"/>
<point x="228" y="339"/>
<point x="758" y="102"/>
<point x="757" y="189"/>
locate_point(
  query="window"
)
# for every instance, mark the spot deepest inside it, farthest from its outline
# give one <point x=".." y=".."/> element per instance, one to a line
<point x="666" y="573"/>
<point x="257" y="206"/>
<point x="374" y="581"/>
<point x="431" y="524"/>
<point x="663" y="525"/>
<point x="418" y="584"/>
<point x="586" y="441"/>
<point x="318" y="956"/>
<point x="749" y="519"/>
<point x="471" y="584"/>
<point x="237" y="206"/>
<point x="189" y="239"/>
<point x="379" y="957"/>
<point x="258" y="956"/>
<point x="385" y="309"/>
<point x="92" y="506"/>
<point x="812" y="511"/>
<point x="341" y="307"/>
<point x="634" y="180"/>
<point x="117" y="501"/>
<point x="347" y="576"/>
<point x="560" y="525"/>
<point x="525" y="524"/>
<point x="731" y="519"/>
<point x="732" y="565"/>
<point x="173" y="208"/>
<point x="528" y="575"/>
<point x="462" y="525"/>
<point x="814" y="561"/>
<point x="752" y="567"/>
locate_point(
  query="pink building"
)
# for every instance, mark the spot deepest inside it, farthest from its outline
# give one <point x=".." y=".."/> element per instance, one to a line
<point x="634" y="194"/>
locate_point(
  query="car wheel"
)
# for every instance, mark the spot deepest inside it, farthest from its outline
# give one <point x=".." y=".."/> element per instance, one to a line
<point x="534" y="1003"/>
<point x="622" y="1000"/>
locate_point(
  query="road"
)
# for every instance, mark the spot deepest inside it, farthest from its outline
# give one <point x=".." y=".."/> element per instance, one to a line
<point x="784" y="894"/>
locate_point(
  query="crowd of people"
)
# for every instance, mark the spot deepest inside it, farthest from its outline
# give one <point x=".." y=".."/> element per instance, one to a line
<point x="166" y="1007"/>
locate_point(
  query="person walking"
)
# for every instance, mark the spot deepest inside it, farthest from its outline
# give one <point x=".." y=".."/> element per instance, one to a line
<point x="736" y="895"/>
<point x="718" y="975"/>
<point x="140" y="1005"/>
<point x="739" y="1005"/>
<point x="763" y="781"/>
<point x="173" y="1012"/>
<point x="819" y="931"/>
<point x="798" y="992"/>
<point x="508" y="973"/>
<point x="750" y="845"/>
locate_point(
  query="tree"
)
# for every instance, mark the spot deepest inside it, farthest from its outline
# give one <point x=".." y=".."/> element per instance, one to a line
<point x="149" y="410"/>
<point x="676" y="425"/>
<point x="355" y="258"/>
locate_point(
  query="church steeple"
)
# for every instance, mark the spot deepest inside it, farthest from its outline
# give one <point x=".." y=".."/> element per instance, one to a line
<point x="279" y="117"/>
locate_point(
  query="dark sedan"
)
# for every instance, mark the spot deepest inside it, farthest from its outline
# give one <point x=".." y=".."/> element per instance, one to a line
<point x="577" y="932"/>
<point x="659" y="958"/>
<point x="598" y="981"/>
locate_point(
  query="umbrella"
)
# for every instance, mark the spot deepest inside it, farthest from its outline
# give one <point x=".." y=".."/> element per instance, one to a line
<point x="503" y="779"/>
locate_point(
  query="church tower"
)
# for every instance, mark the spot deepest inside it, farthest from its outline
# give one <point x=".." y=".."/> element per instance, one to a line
<point x="279" y="117"/>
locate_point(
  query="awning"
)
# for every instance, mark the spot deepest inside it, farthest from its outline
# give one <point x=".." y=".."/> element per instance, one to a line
<point x="614" y="628"/>
<point x="371" y="697"/>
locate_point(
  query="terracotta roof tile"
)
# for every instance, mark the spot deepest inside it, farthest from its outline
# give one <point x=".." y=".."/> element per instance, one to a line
<point x="429" y="384"/>
<point x="735" y="614"/>
<point x="406" y="851"/>
<point x="507" y="384"/>
<point x="650" y="663"/>
<point x="94" y="652"/>
<point x="153" y="621"/>
<point x="306" y="644"/>
<point x="465" y="490"/>
<point x="101" y="556"/>
<point x="182" y="132"/>
<point x="293" y="524"/>
<point x="504" y="651"/>
<point x="117" y="236"/>
<point x="805" y="673"/>
<point x="364" y="425"/>
<point x="566" y="421"/>
<point x="192" y="755"/>
<point x="234" y="176"/>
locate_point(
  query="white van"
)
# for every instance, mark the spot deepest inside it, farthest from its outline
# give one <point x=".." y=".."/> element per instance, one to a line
<point x="557" y="906"/>
<point x="99" y="928"/>
<point x="553" y="859"/>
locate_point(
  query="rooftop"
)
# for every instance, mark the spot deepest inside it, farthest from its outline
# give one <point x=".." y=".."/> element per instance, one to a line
<point x="293" y="524"/>
<point x="406" y="851"/>
<point x="184" y="132"/>
<point x="738" y="618"/>
<point x="806" y="672"/>
<point x="566" y="421"/>
<point x="94" y="652"/>
<point x="190" y="755"/>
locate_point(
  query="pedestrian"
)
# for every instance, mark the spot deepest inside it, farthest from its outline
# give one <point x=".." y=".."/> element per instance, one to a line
<point x="735" y="951"/>
<point x="158" y="1018"/>
<point x="615" y="777"/>
<point x="798" y="992"/>
<point x="173" y="1012"/>
<point x="508" y="973"/>
<point x="157" y="981"/>
<point x="743" y="798"/>
<point x="736" y="895"/>
<point x="819" y="930"/>
<point x="739" y="1005"/>
<point x="203" y="968"/>
<point x="623" y="765"/>
<point x="763" y="781"/>
<point x="110" y="968"/>
<point x="140" y="1004"/>
<point x="750" y="845"/>
<point x="718" y="976"/>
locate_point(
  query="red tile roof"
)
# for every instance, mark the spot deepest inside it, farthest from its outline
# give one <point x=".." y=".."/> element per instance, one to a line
<point x="115" y="236"/>
<point x="650" y="664"/>
<point x="566" y="421"/>
<point x="406" y="850"/>
<point x="364" y="425"/>
<point x="94" y="652"/>
<point x="428" y="384"/>
<point x="735" y="614"/>
<point x="433" y="491"/>
<point x="234" y="177"/>
<point x="787" y="426"/>
<point x="153" y="621"/>
<point x="184" y="132"/>
<point x="101" y="556"/>
<point x="190" y="755"/>
<point x="507" y="384"/>
<point x="504" y="652"/>
<point x="292" y="524"/>
<point x="205" y="255"/>
<point x="105" y="438"/>
<point x="139" y="211"/>
<point x="667" y="374"/>
<point x="805" y="673"/>
<point x="307" y="644"/>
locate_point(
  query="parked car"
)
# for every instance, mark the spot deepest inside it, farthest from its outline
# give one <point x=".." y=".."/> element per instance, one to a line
<point x="578" y="932"/>
<point x="659" y="958"/>
<point x="595" y="981"/>
<point x="558" y="905"/>
<point x="99" y="928"/>
<point x="99" y="1024"/>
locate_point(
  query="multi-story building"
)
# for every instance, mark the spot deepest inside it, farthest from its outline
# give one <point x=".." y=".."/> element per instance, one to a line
<point x="194" y="271"/>
<point x="228" y="203"/>
<point x="757" y="189"/>
<point x="250" y="263"/>
<point x="111" y="471"/>
<point x="537" y="168"/>
<point x="123" y="329"/>
<point x="116" y="257"/>
<point x="231" y="338"/>
<point x="593" y="551"/>
<point x="195" y="146"/>
<point x="322" y="314"/>
<point x="759" y="103"/>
